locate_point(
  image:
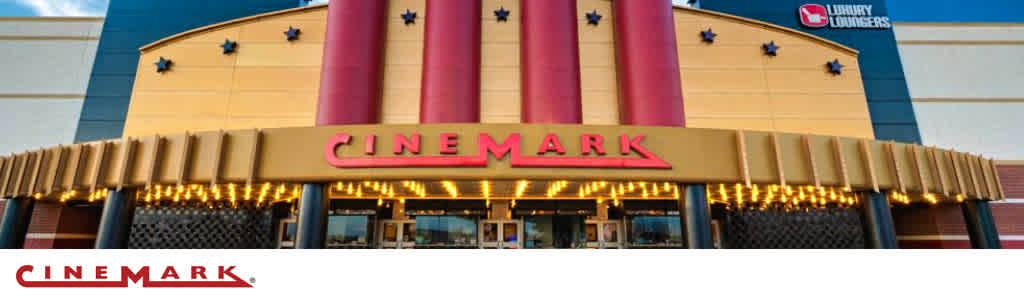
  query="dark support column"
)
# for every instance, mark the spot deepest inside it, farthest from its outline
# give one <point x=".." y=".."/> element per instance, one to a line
<point x="312" y="228"/>
<point x="879" y="231"/>
<point x="980" y="225"/>
<point x="14" y="225"/>
<point x="696" y="217"/>
<point x="116" y="222"/>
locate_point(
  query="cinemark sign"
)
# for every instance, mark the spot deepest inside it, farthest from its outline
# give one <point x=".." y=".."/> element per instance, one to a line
<point x="550" y="153"/>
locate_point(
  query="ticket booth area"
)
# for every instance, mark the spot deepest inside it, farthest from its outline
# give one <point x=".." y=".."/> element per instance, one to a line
<point x="499" y="215"/>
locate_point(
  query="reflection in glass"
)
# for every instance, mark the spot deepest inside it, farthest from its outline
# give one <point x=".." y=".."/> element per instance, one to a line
<point x="560" y="232"/>
<point x="655" y="231"/>
<point x="591" y="232"/>
<point x="408" y="232"/>
<point x="510" y="232"/>
<point x="288" y="234"/>
<point x="390" y="232"/>
<point x="348" y="231"/>
<point x="446" y="231"/>
<point x="611" y="233"/>
<point x="490" y="232"/>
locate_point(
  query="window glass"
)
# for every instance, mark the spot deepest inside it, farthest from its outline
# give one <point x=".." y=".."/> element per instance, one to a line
<point x="390" y="232"/>
<point x="446" y="231"/>
<point x="288" y="234"/>
<point x="408" y="232"/>
<point x="539" y="232"/>
<point x="611" y="232"/>
<point x="510" y="232"/>
<point x="348" y="231"/>
<point x="591" y="232"/>
<point x="490" y="232"/>
<point x="662" y="231"/>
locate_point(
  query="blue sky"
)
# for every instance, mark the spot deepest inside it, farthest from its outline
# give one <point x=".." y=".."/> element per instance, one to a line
<point x="899" y="10"/>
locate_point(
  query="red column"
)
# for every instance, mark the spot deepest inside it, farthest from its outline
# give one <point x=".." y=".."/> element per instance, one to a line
<point x="650" y="90"/>
<point x="550" y="62"/>
<point x="353" y="63"/>
<point x="451" y="62"/>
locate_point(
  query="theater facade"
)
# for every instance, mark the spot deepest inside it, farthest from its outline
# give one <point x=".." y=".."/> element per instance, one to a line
<point x="498" y="124"/>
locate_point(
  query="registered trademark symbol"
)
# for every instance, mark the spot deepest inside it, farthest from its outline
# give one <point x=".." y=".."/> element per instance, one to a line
<point x="252" y="279"/>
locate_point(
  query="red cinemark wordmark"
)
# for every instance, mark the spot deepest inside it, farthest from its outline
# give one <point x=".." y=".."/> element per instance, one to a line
<point x="590" y="144"/>
<point x="74" y="278"/>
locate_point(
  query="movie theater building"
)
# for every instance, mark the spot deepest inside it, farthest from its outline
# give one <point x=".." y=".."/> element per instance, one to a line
<point x="501" y="124"/>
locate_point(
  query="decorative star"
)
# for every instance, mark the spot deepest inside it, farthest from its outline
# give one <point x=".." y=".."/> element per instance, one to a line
<point x="502" y="14"/>
<point x="409" y="17"/>
<point x="593" y="18"/>
<point x="292" y="33"/>
<point x="835" y="67"/>
<point x="708" y="36"/>
<point x="771" y="49"/>
<point x="163" y="65"/>
<point x="229" y="46"/>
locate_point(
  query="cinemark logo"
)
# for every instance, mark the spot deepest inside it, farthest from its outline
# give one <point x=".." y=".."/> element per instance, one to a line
<point x="813" y="15"/>
<point x="104" y="277"/>
<point x="551" y="153"/>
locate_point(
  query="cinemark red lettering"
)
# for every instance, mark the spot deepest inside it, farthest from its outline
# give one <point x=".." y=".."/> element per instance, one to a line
<point x="74" y="278"/>
<point x="551" y="153"/>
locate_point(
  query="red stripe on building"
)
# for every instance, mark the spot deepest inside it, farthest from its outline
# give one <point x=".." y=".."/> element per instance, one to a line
<point x="1012" y="178"/>
<point x="550" y="62"/>
<point x="650" y="91"/>
<point x="451" y="62"/>
<point x="353" y="63"/>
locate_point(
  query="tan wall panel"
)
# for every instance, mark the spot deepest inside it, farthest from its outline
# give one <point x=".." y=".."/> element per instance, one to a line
<point x="597" y="64"/>
<point x="733" y="84"/>
<point x="156" y="103"/>
<point x="299" y="104"/>
<point x="500" y="100"/>
<point x="403" y="64"/>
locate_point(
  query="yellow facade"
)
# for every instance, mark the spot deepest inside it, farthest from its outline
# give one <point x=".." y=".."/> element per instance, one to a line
<point x="270" y="82"/>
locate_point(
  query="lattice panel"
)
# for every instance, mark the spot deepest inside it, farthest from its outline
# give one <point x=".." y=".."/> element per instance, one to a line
<point x="776" y="228"/>
<point x="178" y="227"/>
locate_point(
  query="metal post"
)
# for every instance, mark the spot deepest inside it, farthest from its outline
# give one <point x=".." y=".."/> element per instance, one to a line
<point x="312" y="226"/>
<point x="981" y="227"/>
<point x="14" y="225"/>
<point x="695" y="216"/>
<point x="116" y="222"/>
<point x="879" y="231"/>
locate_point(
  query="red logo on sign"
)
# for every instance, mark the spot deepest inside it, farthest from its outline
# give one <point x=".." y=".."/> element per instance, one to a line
<point x="100" y="277"/>
<point x="632" y="154"/>
<point x="813" y="15"/>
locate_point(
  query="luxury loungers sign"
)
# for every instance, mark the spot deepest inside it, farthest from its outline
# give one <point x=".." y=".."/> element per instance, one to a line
<point x="550" y="153"/>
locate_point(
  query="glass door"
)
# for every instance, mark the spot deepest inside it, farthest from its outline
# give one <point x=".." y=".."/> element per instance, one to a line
<point x="501" y="234"/>
<point x="603" y="234"/>
<point x="397" y="234"/>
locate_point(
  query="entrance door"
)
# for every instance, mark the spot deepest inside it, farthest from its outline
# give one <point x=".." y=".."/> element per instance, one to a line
<point x="397" y="234"/>
<point x="501" y="234"/>
<point x="603" y="234"/>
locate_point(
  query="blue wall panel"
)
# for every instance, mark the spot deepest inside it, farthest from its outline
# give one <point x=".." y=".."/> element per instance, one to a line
<point x="884" y="83"/>
<point x="129" y="25"/>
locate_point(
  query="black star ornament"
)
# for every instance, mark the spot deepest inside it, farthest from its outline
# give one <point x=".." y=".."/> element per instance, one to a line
<point x="409" y="17"/>
<point x="229" y="46"/>
<point x="593" y="18"/>
<point x="708" y="36"/>
<point x="163" y="65"/>
<point x="835" y="67"/>
<point x="771" y="49"/>
<point x="292" y="33"/>
<point x="502" y="14"/>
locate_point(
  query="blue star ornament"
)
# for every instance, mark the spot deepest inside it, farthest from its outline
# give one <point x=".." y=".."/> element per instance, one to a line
<point x="502" y="14"/>
<point x="229" y="47"/>
<point x="593" y="18"/>
<point x="409" y="17"/>
<point x="708" y="36"/>
<point x="292" y="33"/>
<point x="771" y="49"/>
<point x="163" y="65"/>
<point x="835" y="67"/>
